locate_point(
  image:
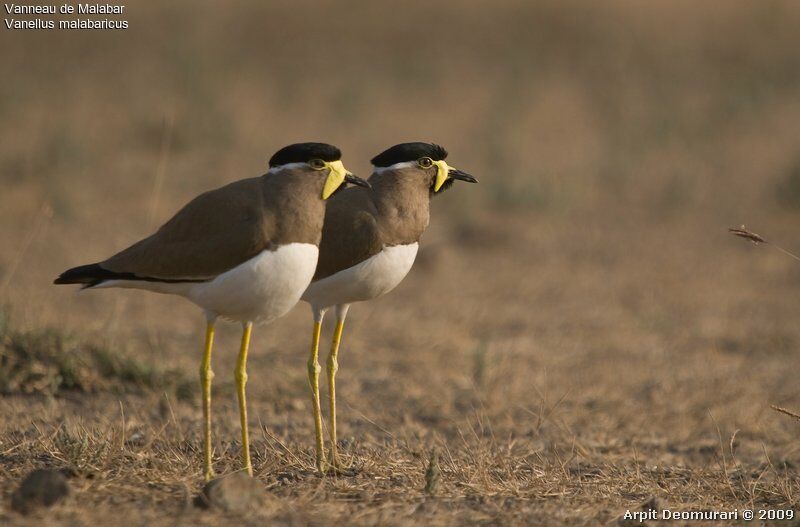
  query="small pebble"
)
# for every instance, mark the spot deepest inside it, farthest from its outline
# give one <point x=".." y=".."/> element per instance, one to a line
<point x="40" y="488"/>
<point x="236" y="493"/>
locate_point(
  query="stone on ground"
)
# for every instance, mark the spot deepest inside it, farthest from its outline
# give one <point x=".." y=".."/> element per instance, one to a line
<point x="236" y="493"/>
<point x="40" y="488"/>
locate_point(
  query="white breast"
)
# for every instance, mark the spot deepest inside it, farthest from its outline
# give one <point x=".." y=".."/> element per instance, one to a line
<point x="369" y="279"/>
<point x="261" y="289"/>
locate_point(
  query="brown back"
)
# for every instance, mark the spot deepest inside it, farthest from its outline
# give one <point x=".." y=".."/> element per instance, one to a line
<point x="360" y="222"/>
<point x="223" y="228"/>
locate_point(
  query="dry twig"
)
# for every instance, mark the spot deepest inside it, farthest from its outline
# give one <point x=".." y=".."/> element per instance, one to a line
<point x="432" y="474"/>
<point x="785" y="411"/>
<point x="742" y="232"/>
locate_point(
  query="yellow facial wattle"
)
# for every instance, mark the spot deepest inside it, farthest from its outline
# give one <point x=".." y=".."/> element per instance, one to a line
<point x="442" y="169"/>
<point x="335" y="178"/>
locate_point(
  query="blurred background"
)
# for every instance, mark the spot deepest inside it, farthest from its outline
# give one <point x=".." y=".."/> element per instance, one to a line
<point x="614" y="143"/>
<point x="613" y="116"/>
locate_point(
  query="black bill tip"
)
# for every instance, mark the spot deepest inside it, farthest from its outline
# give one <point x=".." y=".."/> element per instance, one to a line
<point x="463" y="176"/>
<point x="355" y="180"/>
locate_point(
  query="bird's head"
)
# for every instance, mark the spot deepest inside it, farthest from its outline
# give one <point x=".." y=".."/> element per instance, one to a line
<point x="318" y="160"/>
<point x="427" y="160"/>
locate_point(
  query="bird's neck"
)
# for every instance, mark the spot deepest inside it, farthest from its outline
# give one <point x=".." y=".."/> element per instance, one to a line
<point x="403" y="201"/>
<point x="293" y="206"/>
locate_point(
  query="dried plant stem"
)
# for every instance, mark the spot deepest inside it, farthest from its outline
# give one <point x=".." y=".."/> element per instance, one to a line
<point x="742" y="232"/>
<point x="161" y="167"/>
<point x="43" y="216"/>
<point x="152" y="214"/>
<point x="784" y="251"/>
<point x="785" y="411"/>
<point x="432" y="474"/>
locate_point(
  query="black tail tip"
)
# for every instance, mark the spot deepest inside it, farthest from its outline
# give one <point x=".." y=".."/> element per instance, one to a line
<point x="87" y="275"/>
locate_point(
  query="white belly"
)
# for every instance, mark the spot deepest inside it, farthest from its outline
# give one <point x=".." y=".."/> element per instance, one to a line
<point x="259" y="290"/>
<point x="369" y="279"/>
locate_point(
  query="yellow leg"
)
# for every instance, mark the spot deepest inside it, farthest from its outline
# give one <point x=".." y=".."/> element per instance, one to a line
<point x="313" y="380"/>
<point x="205" y="381"/>
<point x="241" y="382"/>
<point x="333" y="367"/>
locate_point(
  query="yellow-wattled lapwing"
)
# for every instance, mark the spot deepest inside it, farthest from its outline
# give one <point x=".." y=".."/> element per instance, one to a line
<point x="244" y="252"/>
<point x="369" y="242"/>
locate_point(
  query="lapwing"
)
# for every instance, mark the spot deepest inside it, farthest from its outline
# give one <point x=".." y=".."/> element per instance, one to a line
<point x="369" y="242"/>
<point x="244" y="252"/>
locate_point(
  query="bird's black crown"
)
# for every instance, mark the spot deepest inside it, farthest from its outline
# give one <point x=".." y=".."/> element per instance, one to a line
<point x="409" y="152"/>
<point x="304" y="152"/>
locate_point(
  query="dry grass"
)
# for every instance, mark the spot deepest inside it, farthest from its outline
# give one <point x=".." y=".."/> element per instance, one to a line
<point x="578" y="336"/>
<point x="47" y="362"/>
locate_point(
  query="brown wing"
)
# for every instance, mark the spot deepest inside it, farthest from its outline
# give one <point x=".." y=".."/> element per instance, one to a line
<point x="213" y="233"/>
<point x="350" y="234"/>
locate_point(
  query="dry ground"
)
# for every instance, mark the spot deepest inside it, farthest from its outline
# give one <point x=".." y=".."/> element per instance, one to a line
<point x="579" y="334"/>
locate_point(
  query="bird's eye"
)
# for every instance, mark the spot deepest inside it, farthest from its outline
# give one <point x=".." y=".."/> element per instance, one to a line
<point x="317" y="164"/>
<point x="425" y="162"/>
